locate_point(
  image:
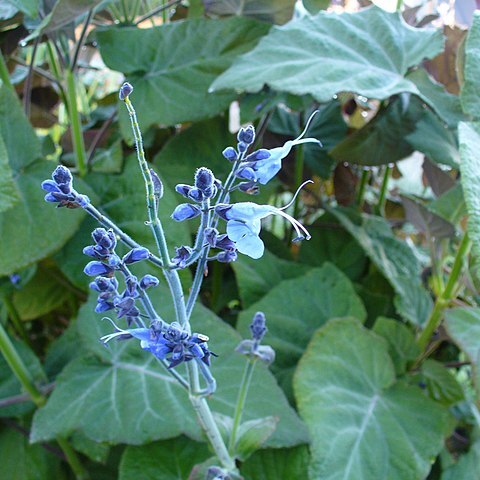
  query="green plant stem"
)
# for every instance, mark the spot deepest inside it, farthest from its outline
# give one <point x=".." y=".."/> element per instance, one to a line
<point x="171" y="276"/>
<point x="399" y="4"/>
<point x="15" y="318"/>
<point x="210" y="428"/>
<point x="362" y="187"/>
<point x="4" y="75"/>
<point x="242" y="397"/>
<point x="75" y="124"/>
<point x="380" y="208"/>
<point x="19" y="369"/>
<point x="159" y="9"/>
<point x="73" y="460"/>
<point x="446" y="296"/>
<point x="81" y="40"/>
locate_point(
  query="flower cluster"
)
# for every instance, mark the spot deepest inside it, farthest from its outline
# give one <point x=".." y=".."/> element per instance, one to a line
<point x="60" y="190"/>
<point x="173" y="343"/>
<point x="252" y="348"/>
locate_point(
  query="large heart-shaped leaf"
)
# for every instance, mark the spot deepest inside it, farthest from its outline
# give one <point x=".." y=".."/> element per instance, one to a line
<point x="466" y="467"/>
<point x="170" y="460"/>
<point x="296" y="308"/>
<point x="368" y="52"/>
<point x="470" y="92"/>
<point x="363" y="423"/>
<point x="274" y="11"/>
<point x="30" y="229"/>
<point x="395" y="260"/>
<point x="469" y="136"/>
<point x="123" y="395"/>
<point x="172" y="66"/>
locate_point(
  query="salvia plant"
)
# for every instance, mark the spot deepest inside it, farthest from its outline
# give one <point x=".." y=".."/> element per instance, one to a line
<point x="127" y="297"/>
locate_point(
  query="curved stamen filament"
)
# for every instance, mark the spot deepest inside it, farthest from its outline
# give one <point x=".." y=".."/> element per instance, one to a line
<point x="309" y="121"/>
<point x="296" y="193"/>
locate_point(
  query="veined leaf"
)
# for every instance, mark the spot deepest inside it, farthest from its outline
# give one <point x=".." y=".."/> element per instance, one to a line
<point x="123" y="395"/>
<point x="363" y="423"/>
<point x="470" y="92"/>
<point x="368" y="52"/>
<point x="172" y="66"/>
<point x="296" y="308"/>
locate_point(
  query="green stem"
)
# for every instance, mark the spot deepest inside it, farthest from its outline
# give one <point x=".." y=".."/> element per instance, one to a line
<point x="380" y="208"/>
<point x="362" y="187"/>
<point x="446" y="296"/>
<point x="75" y="124"/>
<point x="15" y="318"/>
<point x="19" y="369"/>
<point x="73" y="460"/>
<point x="242" y="397"/>
<point x="399" y="4"/>
<point x="210" y="428"/>
<point x="171" y="276"/>
<point x="4" y="74"/>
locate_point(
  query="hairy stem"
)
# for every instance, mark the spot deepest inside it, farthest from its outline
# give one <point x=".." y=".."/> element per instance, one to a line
<point x="446" y="296"/>
<point x="241" y="399"/>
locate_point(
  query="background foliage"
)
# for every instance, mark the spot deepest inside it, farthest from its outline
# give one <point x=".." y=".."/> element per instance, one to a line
<point x="375" y="321"/>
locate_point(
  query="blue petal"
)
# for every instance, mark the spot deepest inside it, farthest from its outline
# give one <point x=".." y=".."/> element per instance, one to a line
<point x="246" y="237"/>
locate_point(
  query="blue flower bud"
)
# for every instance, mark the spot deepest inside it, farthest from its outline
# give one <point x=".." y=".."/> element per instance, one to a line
<point x="104" y="238"/>
<point x="183" y="189"/>
<point x="246" y="173"/>
<point x="62" y="176"/>
<point x="126" y="306"/>
<point x="185" y="211"/>
<point x="113" y="260"/>
<point x="103" y="306"/>
<point x="242" y="147"/>
<point x="230" y="154"/>
<point x="257" y="327"/>
<point x="125" y="90"/>
<point x="50" y="186"/>
<point x="93" y="269"/>
<point x="195" y="194"/>
<point x="204" y="181"/>
<point x="246" y="135"/>
<point x="261" y="154"/>
<point x="222" y="210"/>
<point x="104" y="284"/>
<point x="251" y="188"/>
<point x="136" y="255"/>
<point x="148" y="281"/>
<point x="224" y="243"/>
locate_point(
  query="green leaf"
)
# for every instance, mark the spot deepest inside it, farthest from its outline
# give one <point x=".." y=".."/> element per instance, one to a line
<point x="277" y="464"/>
<point x="22" y="461"/>
<point x="463" y="325"/>
<point x="441" y="385"/>
<point x="382" y="140"/>
<point x="199" y="145"/>
<point x="469" y="136"/>
<point x="363" y="423"/>
<point x="314" y="6"/>
<point x="252" y="435"/>
<point x="273" y="11"/>
<point x="368" y="52"/>
<point x="434" y="140"/>
<point x="31" y="229"/>
<point x="41" y="295"/>
<point x="9" y="194"/>
<point x="170" y="460"/>
<point x="470" y="92"/>
<point x="256" y="278"/>
<point x="296" y="308"/>
<point x="172" y="66"/>
<point x="466" y="467"/>
<point x="28" y="7"/>
<point x="402" y="347"/>
<point x="10" y="386"/>
<point x="395" y="260"/>
<point x="450" y="205"/>
<point x="446" y="105"/>
<point x="331" y="243"/>
<point x="122" y="394"/>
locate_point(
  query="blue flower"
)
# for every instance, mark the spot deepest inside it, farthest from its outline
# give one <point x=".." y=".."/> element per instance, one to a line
<point x="265" y="169"/>
<point x="244" y="224"/>
<point x="93" y="269"/>
<point x="148" y="281"/>
<point x="173" y="343"/>
<point x="182" y="256"/>
<point x="125" y="90"/>
<point x="185" y="211"/>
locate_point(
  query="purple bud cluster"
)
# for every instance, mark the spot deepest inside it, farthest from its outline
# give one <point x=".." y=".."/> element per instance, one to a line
<point x="252" y="348"/>
<point x="60" y="190"/>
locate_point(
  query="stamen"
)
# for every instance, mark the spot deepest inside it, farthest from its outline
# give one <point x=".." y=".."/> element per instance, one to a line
<point x="309" y="121"/>
<point x="296" y="193"/>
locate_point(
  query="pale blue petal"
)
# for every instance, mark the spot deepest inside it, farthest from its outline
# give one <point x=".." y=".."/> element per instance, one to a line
<point x="248" y="211"/>
<point x="246" y="237"/>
